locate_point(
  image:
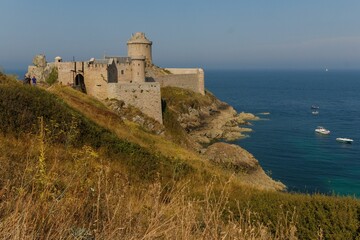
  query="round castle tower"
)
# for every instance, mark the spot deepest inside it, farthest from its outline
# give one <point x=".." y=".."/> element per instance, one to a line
<point x="139" y="45"/>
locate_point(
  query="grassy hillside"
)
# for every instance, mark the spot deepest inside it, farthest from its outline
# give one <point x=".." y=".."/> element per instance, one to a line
<point x="72" y="169"/>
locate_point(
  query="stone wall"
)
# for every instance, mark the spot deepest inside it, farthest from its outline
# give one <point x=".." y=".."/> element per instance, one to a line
<point x="184" y="70"/>
<point x="96" y="80"/>
<point x="124" y="72"/>
<point x="144" y="96"/>
<point x="65" y="72"/>
<point x="191" y="79"/>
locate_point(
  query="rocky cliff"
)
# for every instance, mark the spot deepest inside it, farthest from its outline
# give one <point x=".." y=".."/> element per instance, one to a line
<point x="242" y="163"/>
<point x="207" y="120"/>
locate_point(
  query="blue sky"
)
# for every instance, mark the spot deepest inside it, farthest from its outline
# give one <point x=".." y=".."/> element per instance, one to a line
<point x="228" y="34"/>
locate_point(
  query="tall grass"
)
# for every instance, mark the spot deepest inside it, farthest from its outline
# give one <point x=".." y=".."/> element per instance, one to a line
<point x="68" y="178"/>
<point x="94" y="200"/>
<point x="21" y="106"/>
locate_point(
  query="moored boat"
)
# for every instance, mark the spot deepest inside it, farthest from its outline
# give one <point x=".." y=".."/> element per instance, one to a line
<point x="315" y="112"/>
<point x="315" y="107"/>
<point x="322" y="130"/>
<point x="345" y="140"/>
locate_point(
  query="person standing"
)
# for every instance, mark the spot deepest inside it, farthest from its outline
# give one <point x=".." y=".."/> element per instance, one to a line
<point x="27" y="79"/>
<point x="33" y="80"/>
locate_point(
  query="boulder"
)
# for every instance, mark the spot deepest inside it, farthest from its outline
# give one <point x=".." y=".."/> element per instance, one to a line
<point x="246" y="117"/>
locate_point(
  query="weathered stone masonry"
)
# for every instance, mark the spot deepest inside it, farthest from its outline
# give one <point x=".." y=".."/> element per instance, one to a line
<point x="122" y="78"/>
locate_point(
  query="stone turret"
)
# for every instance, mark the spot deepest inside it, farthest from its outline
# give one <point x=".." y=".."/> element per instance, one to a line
<point x="58" y="59"/>
<point x="139" y="45"/>
<point x="138" y="68"/>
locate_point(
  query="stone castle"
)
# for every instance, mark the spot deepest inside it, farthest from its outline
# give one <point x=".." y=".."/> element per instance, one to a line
<point x="133" y="79"/>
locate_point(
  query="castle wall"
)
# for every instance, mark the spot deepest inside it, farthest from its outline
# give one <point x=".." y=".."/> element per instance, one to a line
<point x="187" y="78"/>
<point x="144" y="96"/>
<point x="65" y="72"/>
<point x="96" y="80"/>
<point x="124" y="72"/>
<point x="184" y="70"/>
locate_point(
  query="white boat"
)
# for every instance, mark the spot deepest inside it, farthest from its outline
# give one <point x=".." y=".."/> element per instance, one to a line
<point x="315" y="112"/>
<point x="322" y="130"/>
<point x="344" y="140"/>
<point x="314" y="107"/>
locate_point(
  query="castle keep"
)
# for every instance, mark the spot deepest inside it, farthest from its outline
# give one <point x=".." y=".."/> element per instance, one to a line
<point x="133" y="79"/>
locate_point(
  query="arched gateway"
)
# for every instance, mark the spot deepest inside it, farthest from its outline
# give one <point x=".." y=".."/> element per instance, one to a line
<point x="79" y="83"/>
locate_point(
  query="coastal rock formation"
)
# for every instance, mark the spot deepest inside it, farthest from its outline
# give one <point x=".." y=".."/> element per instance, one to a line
<point x="243" y="163"/>
<point x="217" y="121"/>
<point x="41" y="68"/>
<point x="206" y="120"/>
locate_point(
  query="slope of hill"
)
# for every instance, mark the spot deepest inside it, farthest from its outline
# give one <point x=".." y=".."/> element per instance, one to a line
<point x="71" y="168"/>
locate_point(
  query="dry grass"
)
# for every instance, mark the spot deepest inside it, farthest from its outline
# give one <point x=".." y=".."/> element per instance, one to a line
<point x="58" y="193"/>
<point x="51" y="190"/>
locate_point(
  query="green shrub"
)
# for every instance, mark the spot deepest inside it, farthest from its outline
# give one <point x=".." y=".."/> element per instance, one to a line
<point x="53" y="77"/>
<point x="333" y="217"/>
<point x="173" y="127"/>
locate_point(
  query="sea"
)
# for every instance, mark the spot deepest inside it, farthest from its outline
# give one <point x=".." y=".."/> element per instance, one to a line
<point x="284" y="140"/>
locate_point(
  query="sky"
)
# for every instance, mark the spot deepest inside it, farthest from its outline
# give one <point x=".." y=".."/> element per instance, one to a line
<point x="227" y="34"/>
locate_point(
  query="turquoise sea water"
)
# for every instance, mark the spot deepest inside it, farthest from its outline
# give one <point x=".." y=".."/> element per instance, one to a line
<point x="285" y="142"/>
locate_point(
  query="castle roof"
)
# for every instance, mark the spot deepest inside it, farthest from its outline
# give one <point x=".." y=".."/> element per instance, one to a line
<point x="119" y="59"/>
<point x="139" y="37"/>
<point x="110" y="59"/>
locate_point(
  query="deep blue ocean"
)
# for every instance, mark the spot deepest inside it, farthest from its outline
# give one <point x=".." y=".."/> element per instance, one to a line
<point x="285" y="142"/>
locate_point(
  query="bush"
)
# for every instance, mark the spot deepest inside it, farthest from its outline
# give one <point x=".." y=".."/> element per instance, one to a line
<point x="53" y="77"/>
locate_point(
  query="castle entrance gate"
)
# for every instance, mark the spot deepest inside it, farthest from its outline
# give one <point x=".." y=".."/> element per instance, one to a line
<point x="79" y="83"/>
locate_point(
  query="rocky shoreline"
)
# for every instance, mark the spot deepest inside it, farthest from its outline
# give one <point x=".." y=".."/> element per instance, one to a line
<point x="212" y="126"/>
<point x="219" y="121"/>
<point x="209" y="127"/>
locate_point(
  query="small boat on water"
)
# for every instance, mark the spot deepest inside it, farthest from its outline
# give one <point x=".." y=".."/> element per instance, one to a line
<point x="315" y="107"/>
<point x="322" y="130"/>
<point x="345" y="140"/>
<point x="315" y="112"/>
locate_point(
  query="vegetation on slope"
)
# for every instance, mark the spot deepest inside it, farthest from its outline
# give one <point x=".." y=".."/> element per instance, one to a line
<point x="177" y="101"/>
<point x="83" y="173"/>
<point x="180" y="99"/>
<point x="21" y="107"/>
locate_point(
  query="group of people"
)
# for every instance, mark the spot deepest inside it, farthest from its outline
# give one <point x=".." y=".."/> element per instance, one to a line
<point x="28" y="80"/>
